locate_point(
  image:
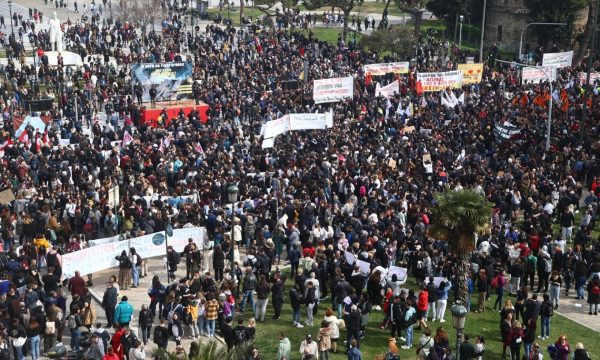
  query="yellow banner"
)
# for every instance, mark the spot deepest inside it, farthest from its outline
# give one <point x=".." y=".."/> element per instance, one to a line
<point x="472" y="73"/>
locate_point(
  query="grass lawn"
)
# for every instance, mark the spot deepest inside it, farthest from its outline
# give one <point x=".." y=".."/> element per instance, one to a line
<point x="486" y="324"/>
<point x="365" y="8"/>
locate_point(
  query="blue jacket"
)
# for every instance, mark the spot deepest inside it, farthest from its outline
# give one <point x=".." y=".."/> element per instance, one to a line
<point x="442" y="294"/>
<point x="123" y="312"/>
<point x="354" y="354"/>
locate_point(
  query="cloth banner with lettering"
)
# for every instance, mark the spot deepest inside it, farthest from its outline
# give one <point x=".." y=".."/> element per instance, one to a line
<point x="537" y="75"/>
<point x="560" y="59"/>
<point x="151" y="245"/>
<point x="307" y="121"/>
<point x="277" y="126"/>
<point x="388" y="90"/>
<point x="472" y="73"/>
<point x="594" y="76"/>
<point x="505" y="132"/>
<point x="333" y="90"/>
<point x="438" y="81"/>
<point x="386" y="68"/>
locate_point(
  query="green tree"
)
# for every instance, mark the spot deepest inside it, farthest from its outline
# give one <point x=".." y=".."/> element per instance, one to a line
<point x="416" y="9"/>
<point x="345" y="6"/>
<point x="457" y="218"/>
<point x="397" y="39"/>
<point x="555" y="11"/>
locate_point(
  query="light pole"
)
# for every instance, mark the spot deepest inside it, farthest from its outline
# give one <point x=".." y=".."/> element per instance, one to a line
<point x="232" y="196"/>
<point x="12" y="29"/>
<point x="549" y="121"/>
<point x="459" y="316"/>
<point x="461" y="19"/>
<point x="482" y="32"/>
<point x="533" y="23"/>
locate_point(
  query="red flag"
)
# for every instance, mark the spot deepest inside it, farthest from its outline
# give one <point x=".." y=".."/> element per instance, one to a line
<point x="5" y="144"/>
<point x="419" y="88"/>
<point x="127" y="139"/>
<point x="46" y="138"/>
<point x="368" y="79"/>
<point x="24" y="137"/>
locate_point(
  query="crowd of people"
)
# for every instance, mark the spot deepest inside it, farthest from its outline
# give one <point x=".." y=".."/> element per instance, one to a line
<point x="313" y="198"/>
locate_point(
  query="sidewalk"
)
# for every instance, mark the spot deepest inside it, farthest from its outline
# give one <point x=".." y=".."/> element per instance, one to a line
<point x="577" y="310"/>
<point x="138" y="297"/>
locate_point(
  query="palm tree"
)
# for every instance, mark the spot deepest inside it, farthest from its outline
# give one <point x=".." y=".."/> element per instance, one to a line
<point x="208" y="349"/>
<point x="457" y="218"/>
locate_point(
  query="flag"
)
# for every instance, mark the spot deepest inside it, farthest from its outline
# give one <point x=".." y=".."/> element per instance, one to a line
<point x="8" y="142"/>
<point x="24" y="137"/>
<point x="564" y="98"/>
<point x="46" y="138"/>
<point x="127" y="139"/>
<point x="167" y="140"/>
<point x="419" y="88"/>
<point x="199" y="149"/>
<point x="368" y="79"/>
<point x="161" y="147"/>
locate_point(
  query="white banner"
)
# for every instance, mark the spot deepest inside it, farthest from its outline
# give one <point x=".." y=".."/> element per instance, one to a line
<point x="151" y="245"/>
<point x="307" y="121"/>
<point x="560" y="60"/>
<point x="387" y="90"/>
<point x="438" y="81"/>
<point x="333" y="90"/>
<point x="595" y="76"/>
<point x="385" y="68"/>
<point x="536" y="75"/>
<point x="268" y="143"/>
<point x="277" y="127"/>
<point x="105" y="240"/>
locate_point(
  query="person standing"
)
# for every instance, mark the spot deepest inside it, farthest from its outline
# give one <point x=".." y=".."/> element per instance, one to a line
<point x="135" y="261"/>
<point x="482" y="288"/>
<point x="311" y="300"/>
<point x="296" y="301"/>
<point x="262" y="294"/>
<point x="249" y="284"/>
<point x="211" y="314"/>
<point x="515" y="340"/>
<point x="354" y="352"/>
<point x="593" y="289"/>
<point x="145" y="320"/>
<point x="324" y="340"/>
<point x="218" y="262"/>
<point x="277" y="294"/>
<point x="109" y="302"/>
<point x="284" y="347"/>
<point x="308" y="348"/>
<point x="353" y="327"/>
<point x="123" y="312"/>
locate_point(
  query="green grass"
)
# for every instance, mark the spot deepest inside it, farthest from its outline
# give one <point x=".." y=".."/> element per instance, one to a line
<point x="486" y="324"/>
<point x="365" y="8"/>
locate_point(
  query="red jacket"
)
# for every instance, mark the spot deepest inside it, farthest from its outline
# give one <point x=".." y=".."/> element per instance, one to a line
<point x="423" y="302"/>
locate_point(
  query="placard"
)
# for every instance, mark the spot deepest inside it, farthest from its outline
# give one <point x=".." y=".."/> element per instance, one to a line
<point x="505" y="132"/>
<point x="7" y="196"/>
<point x="594" y="76"/>
<point x="350" y="258"/>
<point x="268" y="143"/>
<point x="277" y="126"/>
<point x="389" y="90"/>
<point x="151" y="245"/>
<point x="333" y="90"/>
<point x="436" y="280"/>
<point x="472" y="73"/>
<point x="537" y="75"/>
<point x="400" y="272"/>
<point x="113" y="197"/>
<point x="438" y="81"/>
<point x="364" y="266"/>
<point x="307" y="121"/>
<point x="386" y="68"/>
<point x="560" y="59"/>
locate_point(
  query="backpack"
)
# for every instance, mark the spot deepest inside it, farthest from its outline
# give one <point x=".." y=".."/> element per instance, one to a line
<point x="595" y="289"/>
<point x="494" y="282"/>
<point x="547" y="265"/>
<point x="552" y="351"/>
<point x="71" y="322"/>
<point x="239" y="336"/>
<point x="138" y="261"/>
<point x="548" y="308"/>
<point x="177" y="258"/>
<point x="50" y="328"/>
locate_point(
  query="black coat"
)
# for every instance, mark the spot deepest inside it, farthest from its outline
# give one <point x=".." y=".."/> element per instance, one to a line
<point x="353" y="323"/>
<point x="218" y="259"/>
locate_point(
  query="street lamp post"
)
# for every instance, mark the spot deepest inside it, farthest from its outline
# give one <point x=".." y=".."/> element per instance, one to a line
<point x="533" y="23"/>
<point x="549" y="121"/>
<point x="232" y="196"/>
<point x="459" y="316"/>
<point x="461" y="19"/>
<point x="482" y="32"/>
<point x="12" y="29"/>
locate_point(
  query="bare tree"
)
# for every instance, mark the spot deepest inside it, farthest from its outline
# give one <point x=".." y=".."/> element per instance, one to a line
<point x="143" y="13"/>
<point x="416" y="9"/>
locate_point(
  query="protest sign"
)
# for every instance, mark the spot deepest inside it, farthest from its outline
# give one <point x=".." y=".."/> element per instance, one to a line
<point x="386" y="68"/>
<point x="105" y="251"/>
<point x="268" y="143"/>
<point x="388" y="90"/>
<point x="594" y="76"/>
<point x="436" y="280"/>
<point x="438" y="81"/>
<point x="333" y="90"/>
<point x="350" y="258"/>
<point x="560" y="59"/>
<point x="277" y="126"/>
<point x="505" y="132"/>
<point x="400" y="272"/>
<point x="307" y="121"/>
<point x="7" y="196"/>
<point x="472" y="73"/>
<point x="537" y="75"/>
<point x="364" y="266"/>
